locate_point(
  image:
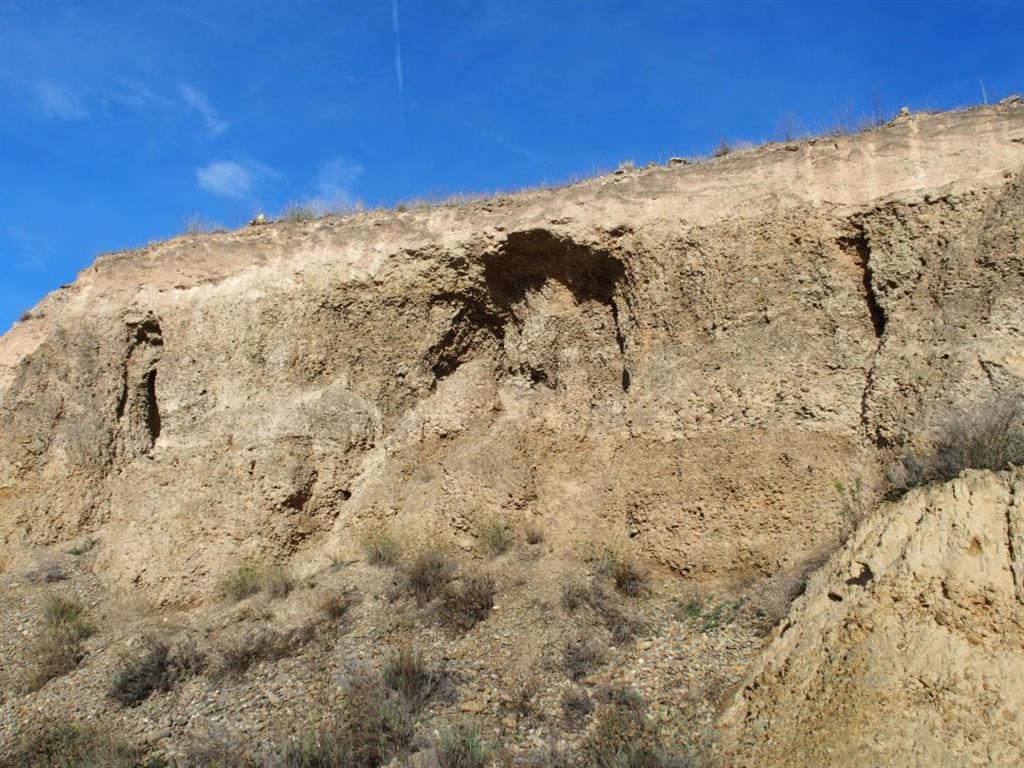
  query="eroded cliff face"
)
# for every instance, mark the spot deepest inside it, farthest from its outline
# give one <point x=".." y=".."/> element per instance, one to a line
<point x="907" y="648"/>
<point x="681" y="360"/>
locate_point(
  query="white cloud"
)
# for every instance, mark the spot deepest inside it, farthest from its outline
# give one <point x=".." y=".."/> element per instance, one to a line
<point x="198" y="101"/>
<point x="229" y="178"/>
<point x="57" y="100"/>
<point x="336" y="183"/>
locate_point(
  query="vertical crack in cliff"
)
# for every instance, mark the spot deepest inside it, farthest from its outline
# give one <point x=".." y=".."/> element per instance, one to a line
<point x="138" y="409"/>
<point x="1015" y="532"/>
<point x="858" y="245"/>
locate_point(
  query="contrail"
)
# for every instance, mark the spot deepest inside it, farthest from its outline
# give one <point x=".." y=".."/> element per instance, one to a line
<point x="398" y="46"/>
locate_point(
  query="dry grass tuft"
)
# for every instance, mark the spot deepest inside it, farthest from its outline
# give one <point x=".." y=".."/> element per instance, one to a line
<point x="259" y="644"/>
<point x="495" y="537"/>
<point x="58" y="648"/>
<point x="989" y="435"/>
<point x="462" y="747"/>
<point x="407" y="673"/>
<point x="429" y="572"/>
<point x="469" y="602"/>
<point x="582" y="656"/>
<point x="69" y="745"/>
<point x="381" y="548"/>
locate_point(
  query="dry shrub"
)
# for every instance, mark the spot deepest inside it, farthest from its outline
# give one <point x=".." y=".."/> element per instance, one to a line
<point x="630" y="578"/>
<point x="582" y="656"/>
<point x="462" y="747"/>
<point x="277" y="582"/>
<point x="379" y="725"/>
<point x="260" y="644"/>
<point x="623" y="626"/>
<point x="69" y="745"/>
<point x="158" y="666"/>
<point x="576" y="706"/>
<point x="241" y="582"/>
<point x="58" y="648"/>
<point x="381" y="548"/>
<point x="407" y="673"/>
<point x="624" y="736"/>
<point x="495" y="537"/>
<point x="989" y="435"/>
<point x="428" y="573"/>
<point x="534" y="534"/>
<point x="467" y="603"/>
<point x="336" y="604"/>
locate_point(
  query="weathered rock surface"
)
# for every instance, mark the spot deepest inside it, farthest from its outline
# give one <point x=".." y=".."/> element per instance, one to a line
<point x="683" y="359"/>
<point x="907" y="648"/>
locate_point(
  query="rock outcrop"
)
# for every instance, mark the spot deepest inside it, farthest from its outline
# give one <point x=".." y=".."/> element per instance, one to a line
<point x="682" y="360"/>
<point x="907" y="648"/>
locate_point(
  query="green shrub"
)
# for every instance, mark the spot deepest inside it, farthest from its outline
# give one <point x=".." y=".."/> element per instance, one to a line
<point x="83" y="546"/>
<point x="465" y="604"/>
<point x="462" y="747"/>
<point x="495" y="537"/>
<point x="241" y="583"/>
<point x="428" y="573"/>
<point x="68" y="614"/>
<point x="381" y="548"/>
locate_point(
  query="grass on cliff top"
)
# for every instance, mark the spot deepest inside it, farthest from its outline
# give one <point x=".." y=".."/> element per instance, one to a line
<point x="988" y="435"/>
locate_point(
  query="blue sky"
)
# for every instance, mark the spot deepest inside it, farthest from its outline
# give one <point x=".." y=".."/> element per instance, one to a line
<point x="121" y="120"/>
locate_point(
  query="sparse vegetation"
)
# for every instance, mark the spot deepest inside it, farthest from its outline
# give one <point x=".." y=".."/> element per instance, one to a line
<point x="83" y="546"/>
<point x="299" y="212"/>
<point x="241" y="582"/>
<point x="576" y="706"/>
<point x="630" y="578"/>
<point x="277" y="582"/>
<point x="198" y="225"/>
<point x="988" y="435"/>
<point x="495" y="537"/>
<point x="335" y="604"/>
<point x="465" y="604"/>
<point x="578" y="594"/>
<point x="49" y="573"/>
<point x="157" y="667"/>
<point x="462" y="747"/>
<point x="248" y="579"/>
<point x="722" y="149"/>
<point x="58" y="648"/>
<point x="260" y="644"/>
<point x="407" y="673"/>
<point x="709" y="615"/>
<point x="429" y="572"/>
<point x="378" y="724"/>
<point x="381" y="548"/>
<point x="66" y="614"/>
<point x="533" y="533"/>
<point x="69" y="745"/>
<point x="582" y="656"/>
<point x="625" y="737"/>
